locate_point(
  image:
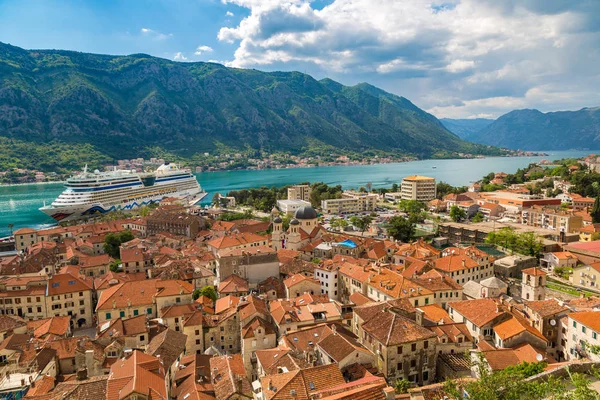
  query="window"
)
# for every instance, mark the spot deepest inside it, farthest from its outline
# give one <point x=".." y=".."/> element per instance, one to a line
<point x="135" y="312"/>
<point x="122" y="314"/>
<point x="399" y="350"/>
<point x="425" y="375"/>
<point x="594" y="335"/>
<point x="197" y="341"/>
<point x="178" y="300"/>
<point x="425" y="344"/>
<point x="197" y="332"/>
<point x="413" y="363"/>
<point x="108" y="316"/>
<point x="413" y="347"/>
<point x="142" y="338"/>
<point x="574" y="324"/>
<point x="149" y="310"/>
<point x="583" y="330"/>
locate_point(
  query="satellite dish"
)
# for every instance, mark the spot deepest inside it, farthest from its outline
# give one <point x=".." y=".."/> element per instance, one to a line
<point x="539" y="357"/>
<point x="552" y="322"/>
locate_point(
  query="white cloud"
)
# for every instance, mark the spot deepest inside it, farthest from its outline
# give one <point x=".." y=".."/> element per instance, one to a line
<point x="156" y="35"/>
<point x="229" y="14"/>
<point x="459" y="58"/>
<point x="203" y="49"/>
<point x="179" y="56"/>
<point x="460" y="66"/>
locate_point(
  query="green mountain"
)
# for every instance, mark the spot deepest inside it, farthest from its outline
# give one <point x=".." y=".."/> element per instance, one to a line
<point x="534" y="130"/>
<point x="465" y="128"/>
<point x="125" y="106"/>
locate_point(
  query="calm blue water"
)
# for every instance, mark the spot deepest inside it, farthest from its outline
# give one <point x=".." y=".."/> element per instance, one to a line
<point x="19" y="204"/>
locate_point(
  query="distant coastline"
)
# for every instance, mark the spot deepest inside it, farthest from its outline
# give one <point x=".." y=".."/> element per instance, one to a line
<point x="29" y="183"/>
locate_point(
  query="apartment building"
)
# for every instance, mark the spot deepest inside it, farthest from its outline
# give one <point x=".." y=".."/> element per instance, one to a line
<point x="583" y="332"/>
<point x="404" y="349"/>
<point x="175" y="223"/>
<point x="327" y="274"/>
<point x="417" y="187"/>
<point x="24" y="297"/>
<point x="351" y="202"/>
<point x="465" y="264"/>
<point x="552" y="219"/>
<point x="69" y="295"/>
<point x="130" y="299"/>
<point x="299" y="192"/>
<point x="479" y="316"/>
<point x="586" y="276"/>
<point x="384" y="284"/>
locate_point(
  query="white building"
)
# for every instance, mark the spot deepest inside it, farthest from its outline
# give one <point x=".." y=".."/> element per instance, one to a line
<point x="290" y="206"/>
<point x="329" y="281"/>
<point x="583" y="332"/>
<point x="351" y="202"/>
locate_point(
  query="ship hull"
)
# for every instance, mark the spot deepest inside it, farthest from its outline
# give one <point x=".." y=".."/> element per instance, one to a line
<point x="83" y="211"/>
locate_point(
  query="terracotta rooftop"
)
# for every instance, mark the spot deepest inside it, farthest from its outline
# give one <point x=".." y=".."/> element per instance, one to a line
<point x="139" y="293"/>
<point x="534" y="272"/>
<point x="139" y="373"/>
<point x="301" y="384"/>
<point x="588" y="318"/>
<point x="391" y="329"/>
<point x="233" y="284"/>
<point x="479" y="312"/>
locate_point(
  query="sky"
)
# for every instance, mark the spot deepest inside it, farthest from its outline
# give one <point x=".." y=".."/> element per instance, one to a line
<point x="455" y="59"/>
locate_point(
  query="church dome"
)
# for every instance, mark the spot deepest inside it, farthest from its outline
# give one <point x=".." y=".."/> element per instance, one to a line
<point x="306" y="212"/>
<point x="277" y="220"/>
<point x="294" y="222"/>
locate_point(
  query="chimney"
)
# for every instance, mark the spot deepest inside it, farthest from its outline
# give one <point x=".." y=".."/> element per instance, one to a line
<point x="334" y="329"/>
<point x="419" y="316"/>
<point x="89" y="361"/>
<point x="82" y="374"/>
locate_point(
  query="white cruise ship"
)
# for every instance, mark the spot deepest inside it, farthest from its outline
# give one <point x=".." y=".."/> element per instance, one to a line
<point x="90" y="193"/>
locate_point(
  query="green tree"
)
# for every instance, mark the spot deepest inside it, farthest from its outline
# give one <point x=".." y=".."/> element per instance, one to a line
<point x="113" y="241"/>
<point x="401" y="386"/>
<point x="395" y="188"/>
<point x="477" y="217"/>
<point x="114" y="265"/>
<point x="216" y="200"/>
<point x="530" y="244"/>
<point x="339" y="223"/>
<point x="411" y="206"/>
<point x="595" y="212"/>
<point x="208" y="291"/>
<point x="507" y="384"/>
<point x="457" y="213"/>
<point x="401" y="228"/>
<point x="361" y="223"/>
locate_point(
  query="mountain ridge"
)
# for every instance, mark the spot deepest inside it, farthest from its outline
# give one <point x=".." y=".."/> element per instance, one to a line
<point x="527" y="129"/>
<point x="125" y="105"/>
<point x="464" y="128"/>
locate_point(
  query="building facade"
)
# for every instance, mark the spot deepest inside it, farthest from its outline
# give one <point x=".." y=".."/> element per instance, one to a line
<point x="417" y="187"/>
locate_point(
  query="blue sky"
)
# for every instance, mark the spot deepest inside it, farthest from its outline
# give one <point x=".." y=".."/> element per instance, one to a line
<point x="462" y="59"/>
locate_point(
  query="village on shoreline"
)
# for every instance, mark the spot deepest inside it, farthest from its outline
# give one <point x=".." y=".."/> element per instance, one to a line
<point x="393" y="292"/>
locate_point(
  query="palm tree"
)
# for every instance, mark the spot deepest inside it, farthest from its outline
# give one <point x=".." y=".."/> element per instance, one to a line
<point x="11" y="226"/>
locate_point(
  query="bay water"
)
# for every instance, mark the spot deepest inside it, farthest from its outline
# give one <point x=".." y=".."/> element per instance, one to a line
<point x="19" y="204"/>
